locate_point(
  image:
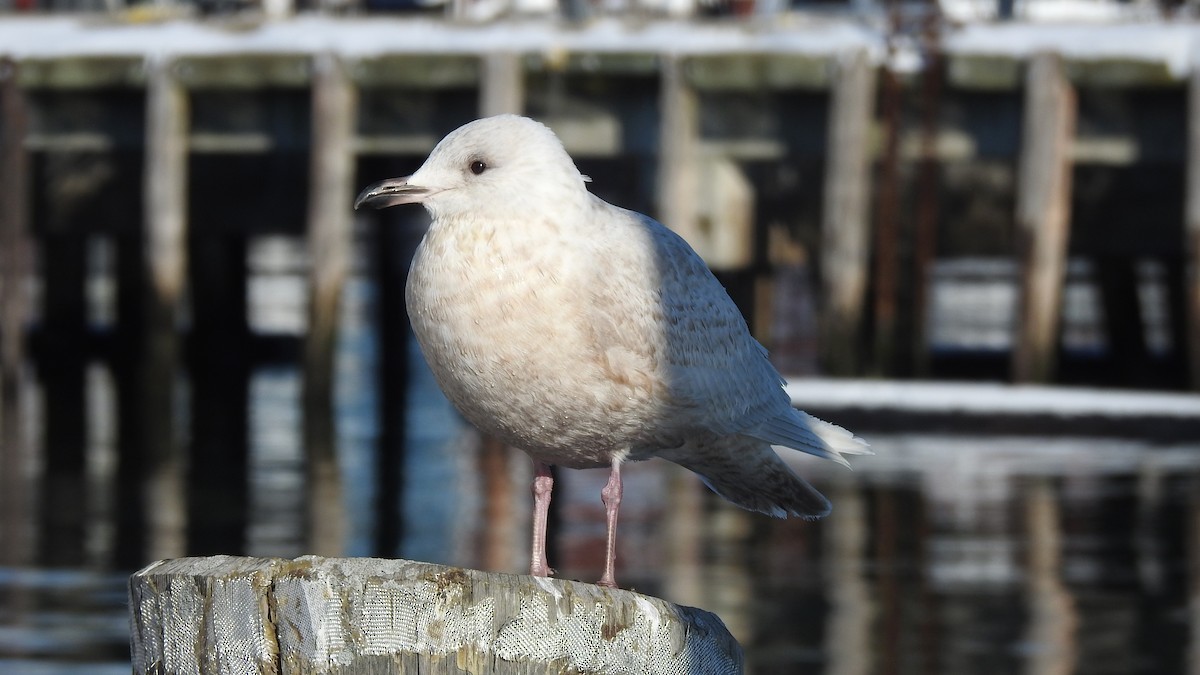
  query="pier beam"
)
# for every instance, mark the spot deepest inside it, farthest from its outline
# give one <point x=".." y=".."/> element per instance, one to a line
<point x="334" y="106"/>
<point x="845" y="226"/>
<point x="367" y="615"/>
<point x="1043" y="215"/>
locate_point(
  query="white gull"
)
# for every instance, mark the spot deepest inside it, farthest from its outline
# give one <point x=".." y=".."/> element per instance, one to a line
<point x="589" y="335"/>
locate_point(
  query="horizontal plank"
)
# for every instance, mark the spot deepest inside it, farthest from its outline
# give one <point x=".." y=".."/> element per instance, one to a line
<point x="417" y="71"/>
<point x="244" y="71"/>
<point x="757" y="71"/>
<point x="83" y="72"/>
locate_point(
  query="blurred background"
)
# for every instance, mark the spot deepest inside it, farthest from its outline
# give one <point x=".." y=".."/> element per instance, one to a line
<point x="968" y="230"/>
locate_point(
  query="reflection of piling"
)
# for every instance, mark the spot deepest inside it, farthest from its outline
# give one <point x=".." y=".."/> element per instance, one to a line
<point x="363" y="615"/>
<point x="848" y="637"/>
<point x="1192" y="542"/>
<point x="1053" y="619"/>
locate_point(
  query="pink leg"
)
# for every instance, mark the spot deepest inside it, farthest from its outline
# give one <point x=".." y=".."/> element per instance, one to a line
<point x="611" y="496"/>
<point x="543" y="485"/>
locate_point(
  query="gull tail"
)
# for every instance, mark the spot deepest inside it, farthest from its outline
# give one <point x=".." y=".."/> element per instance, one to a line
<point x="803" y="432"/>
<point x="747" y="472"/>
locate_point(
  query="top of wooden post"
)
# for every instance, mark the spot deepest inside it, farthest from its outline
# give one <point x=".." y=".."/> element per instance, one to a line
<point x="227" y="614"/>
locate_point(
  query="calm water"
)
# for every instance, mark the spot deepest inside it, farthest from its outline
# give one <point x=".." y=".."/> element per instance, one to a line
<point x="946" y="553"/>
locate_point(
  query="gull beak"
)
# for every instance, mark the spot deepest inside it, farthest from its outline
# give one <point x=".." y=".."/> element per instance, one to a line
<point x="391" y="192"/>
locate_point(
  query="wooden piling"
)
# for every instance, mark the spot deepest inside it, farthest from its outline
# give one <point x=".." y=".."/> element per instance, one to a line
<point x="678" y="132"/>
<point x="502" y="84"/>
<point x="845" y="227"/>
<point x="16" y="267"/>
<point x="501" y="90"/>
<point x="1192" y="229"/>
<point x="1043" y="215"/>
<point x="165" y="263"/>
<point x="334" y="106"/>
<point x="367" y="615"/>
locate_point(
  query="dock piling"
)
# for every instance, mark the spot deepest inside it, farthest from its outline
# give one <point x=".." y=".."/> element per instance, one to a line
<point x="678" y="131"/>
<point x="334" y="111"/>
<point x="1043" y="214"/>
<point x="165" y="261"/>
<point x="367" y="615"/>
<point x="502" y="85"/>
<point x="845" y="226"/>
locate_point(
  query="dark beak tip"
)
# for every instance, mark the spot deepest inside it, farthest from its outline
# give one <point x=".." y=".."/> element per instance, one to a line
<point x="364" y="197"/>
<point x="389" y="193"/>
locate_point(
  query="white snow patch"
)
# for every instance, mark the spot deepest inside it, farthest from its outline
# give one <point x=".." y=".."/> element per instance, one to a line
<point x="45" y="37"/>
<point x="989" y="398"/>
<point x="1173" y="44"/>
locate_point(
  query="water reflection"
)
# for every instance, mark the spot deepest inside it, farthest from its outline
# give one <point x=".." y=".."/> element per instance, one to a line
<point x="946" y="552"/>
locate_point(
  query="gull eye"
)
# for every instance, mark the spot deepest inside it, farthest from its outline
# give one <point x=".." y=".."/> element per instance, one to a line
<point x="478" y="167"/>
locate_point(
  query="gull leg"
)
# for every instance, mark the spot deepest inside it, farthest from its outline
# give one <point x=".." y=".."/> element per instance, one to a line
<point x="543" y="485"/>
<point x="611" y="496"/>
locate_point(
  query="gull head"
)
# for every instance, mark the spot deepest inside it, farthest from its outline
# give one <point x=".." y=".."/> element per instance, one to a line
<point x="505" y="163"/>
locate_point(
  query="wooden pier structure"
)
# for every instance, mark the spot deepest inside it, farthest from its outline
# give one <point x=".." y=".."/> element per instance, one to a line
<point x="178" y="142"/>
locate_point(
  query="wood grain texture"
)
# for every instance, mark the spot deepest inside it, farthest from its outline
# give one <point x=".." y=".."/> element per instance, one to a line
<point x="226" y="614"/>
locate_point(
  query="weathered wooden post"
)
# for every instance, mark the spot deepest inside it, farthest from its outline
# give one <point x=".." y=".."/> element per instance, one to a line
<point x="501" y="84"/>
<point x="1043" y="214"/>
<point x="165" y="251"/>
<point x="329" y="237"/>
<point x="705" y="197"/>
<point x="501" y="90"/>
<point x="845" y="226"/>
<point x="315" y="615"/>
<point x="677" y="155"/>
<point x="1192" y="228"/>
